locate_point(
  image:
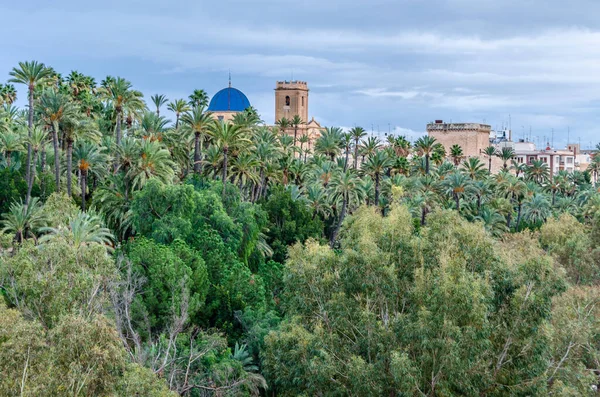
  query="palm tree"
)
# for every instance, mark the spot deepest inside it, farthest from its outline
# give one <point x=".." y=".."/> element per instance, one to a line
<point x="303" y="139"/>
<point x="425" y="146"/>
<point x="347" y="144"/>
<point x="24" y="220"/>
<point x="77" y="128"/>
<point x="318" y="200"/>
<point x="370" y="146"/>
<point x="329" y="143"/>
<point x="537" y="209"/>
<point x="296" y="122"/>
<point x="375" y="166"/>
<point x="158" y="101"/>
<point x="456" y="153"/>
<point x="10" y="142"/>
<point x="119" y="93"/>
<point x="8" y="94"/>
<point x="243" y="169"/>
<point x="357" y="134"/>
<point x="198" y="122"/>
<point x="30" y="74"/>
<point x="37" y="140"/>
<point x="538" y="171"/>
<point x="344" y="186"/>
<point x="492" y="221"/>
<point x="89" y="159"/>
<point x="489" y="151"/>
<point x="55" y="108"/>
<point x="83" y="229"/>
<point x="283" y="124"/>
<point x="154" y="162"/>
<point x="228" y="137"/>
<point x="179" y="107"/>
<point x="457" y="185"/>
<point x="198" y="99"/>
<point x="505" y="155"/>
<point x="519" y="168"/>
<point x="473" y="168"/>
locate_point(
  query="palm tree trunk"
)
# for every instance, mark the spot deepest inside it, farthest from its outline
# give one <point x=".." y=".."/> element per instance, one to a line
<point x="427" y="164"/>
<point x="8" y="155"/>
<point x="519" y="216"/>
<point x="295" y="134"/>
<point x="29" y="130"/>
<point x="224" y="177"/>
<point x="376" y="188"/>
<point x="355" y="153"/>
<point x="423" y="215"/>
<point x="83" y="186"/>
<point x="197" y="152"/>
<point x="342" y="216"/>
<point x="69" y="166"/>
<point x="56" y="155"/>
<point x="118" y="140"/>
<point x="553" y="197"/>
<point x="177" y="121"/>
<point x="347" y="157"/>
<point x="30" y="185"/>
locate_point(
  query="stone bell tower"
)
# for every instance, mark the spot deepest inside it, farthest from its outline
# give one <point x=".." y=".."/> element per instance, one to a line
<point x="291" y="98"/>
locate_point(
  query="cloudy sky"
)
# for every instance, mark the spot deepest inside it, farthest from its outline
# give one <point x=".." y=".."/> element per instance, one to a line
<point x="381" y="64"/>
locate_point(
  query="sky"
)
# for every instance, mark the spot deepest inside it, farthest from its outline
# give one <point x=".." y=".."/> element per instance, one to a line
<point x="385" y="65"/>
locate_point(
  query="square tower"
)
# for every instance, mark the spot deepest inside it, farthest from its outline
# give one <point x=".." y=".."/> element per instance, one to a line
<point x="291" y="98"/>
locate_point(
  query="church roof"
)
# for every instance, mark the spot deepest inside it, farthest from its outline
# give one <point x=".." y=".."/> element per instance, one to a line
<point x="229" y="100"/>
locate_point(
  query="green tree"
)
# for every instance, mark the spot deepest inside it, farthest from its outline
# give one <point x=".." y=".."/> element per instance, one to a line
<point x="197" y="122"/>
<point x="375" y="166"/>
<point x="179" y="107"/>
<point x="158" y="100"/>
<point x="425" y="147"/>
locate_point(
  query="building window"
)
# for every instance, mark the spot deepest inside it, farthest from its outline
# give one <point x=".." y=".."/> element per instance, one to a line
<point x="520" y="160"/>
<point x="220" y="118"/>
<point x="287" y="101"/>
<point x="545" y="160"/>
<point x="302" y="101"/>
<point x="569" y="160"/>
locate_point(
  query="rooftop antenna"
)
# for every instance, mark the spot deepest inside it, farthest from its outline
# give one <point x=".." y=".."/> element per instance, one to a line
<point x="509" y="122"/>
<point x="229" y="78"/>
<point x="552" y="138"/>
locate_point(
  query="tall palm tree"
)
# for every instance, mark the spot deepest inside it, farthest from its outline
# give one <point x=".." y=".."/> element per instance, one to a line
<point x="24" y="220"/>
<point x="30" y="74"/>
<point x="347" y="144"/>
<point x="228" y="137"/>
<point x="77" y="128"/>
<point x="37" y="140"/>
<point x="179" y="107"/>
<point x="357" y="134"/>
<point x="158" y="101"/>
<point x="425" y="146"/>
<point x="344" y="186"/>
<point x="330" y="142"/>
<point x="490" y="152"/>
<point x="456" y="153"/>
<point x="198" y="99"/>
<point x="370" y="146"/>
<point x="318" y="200"/>
<point x="505" y="154"/>
<point x="296" y="122"/>
<point x="519" y="168"/>
<point x="55" y="108"/>
<point x="243" y="170"/>
<point x="375" y="166"/>
<point x="89" y="159"/>
<point x="121" y="95"/>
<point x="303" y="139"/>
<point x="197" y="122"/>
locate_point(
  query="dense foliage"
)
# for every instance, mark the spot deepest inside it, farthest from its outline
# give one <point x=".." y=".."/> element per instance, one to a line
<point x="141" y="256"/>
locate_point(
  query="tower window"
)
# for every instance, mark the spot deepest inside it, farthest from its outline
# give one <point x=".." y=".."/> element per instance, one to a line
<point x="302" y="101"/>
<point x="287" y="101"/>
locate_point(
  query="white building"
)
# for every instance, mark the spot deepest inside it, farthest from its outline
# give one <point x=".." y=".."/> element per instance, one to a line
<point x="557" y="160"/>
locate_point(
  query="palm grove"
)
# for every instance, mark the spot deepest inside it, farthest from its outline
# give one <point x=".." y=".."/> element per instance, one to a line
<point x="141" y="256"/>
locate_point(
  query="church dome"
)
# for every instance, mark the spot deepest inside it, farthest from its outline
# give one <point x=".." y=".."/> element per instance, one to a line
<point x="229" y="100"/>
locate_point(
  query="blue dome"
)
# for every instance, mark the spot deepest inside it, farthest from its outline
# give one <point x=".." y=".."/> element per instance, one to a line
<point x="229" y="100"/>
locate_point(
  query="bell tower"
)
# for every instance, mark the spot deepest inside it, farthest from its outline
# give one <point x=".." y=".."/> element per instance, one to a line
<point x="291" y="98"/>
